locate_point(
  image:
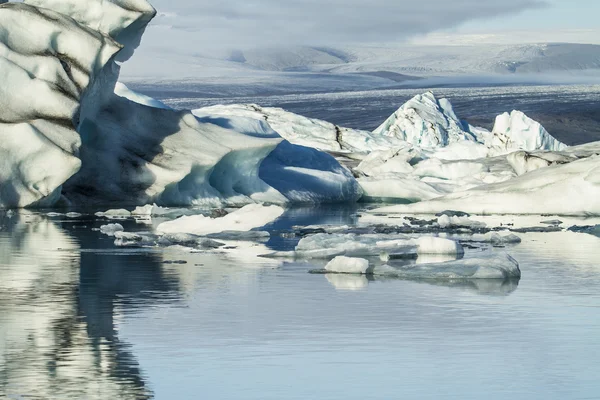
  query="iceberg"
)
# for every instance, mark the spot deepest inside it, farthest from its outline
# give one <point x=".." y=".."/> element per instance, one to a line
<point x="426" y="122"/>
<point x="516" y="131"/>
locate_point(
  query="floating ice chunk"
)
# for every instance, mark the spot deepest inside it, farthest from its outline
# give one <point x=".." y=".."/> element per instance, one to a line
<point x="445" y="221"/>
<point x="494" y="238"/>
<point x="111" y="229"/>
<point x="493" y="267"/>
<point x="516" y="131"/>
<point x="437" y="245"/>
<point x="323" y="245"/>
<point x="150" y="211"/>
<point x="114" y="214"/>
<point x="247" y="218"/>
<point x="348" y="265"/>
<point x="131" y="239"/>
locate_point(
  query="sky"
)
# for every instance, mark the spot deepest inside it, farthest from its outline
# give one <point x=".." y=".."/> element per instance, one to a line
<point x="242" y="24"/>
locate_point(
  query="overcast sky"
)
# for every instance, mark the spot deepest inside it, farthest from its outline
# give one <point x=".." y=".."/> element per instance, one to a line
<point x="262" y="23"/>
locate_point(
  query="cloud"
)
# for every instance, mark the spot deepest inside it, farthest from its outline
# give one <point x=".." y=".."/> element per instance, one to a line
<point x="263" y="23"/>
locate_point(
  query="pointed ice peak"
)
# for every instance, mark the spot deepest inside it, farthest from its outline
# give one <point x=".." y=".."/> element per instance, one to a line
<point x="519" y="132"/>
<point x="427" y="122"/>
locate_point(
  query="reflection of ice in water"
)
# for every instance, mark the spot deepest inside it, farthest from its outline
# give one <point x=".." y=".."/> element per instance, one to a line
<point x="46" y="349"/>
<point x="347" y="282"/>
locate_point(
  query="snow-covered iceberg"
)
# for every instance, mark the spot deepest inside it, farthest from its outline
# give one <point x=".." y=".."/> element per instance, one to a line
<point x="426" y="122"/>
<point x="516" y="131"/>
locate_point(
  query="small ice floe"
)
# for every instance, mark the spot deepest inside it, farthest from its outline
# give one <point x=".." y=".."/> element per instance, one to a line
<point x="111" y="229"/>
<point x="446" y="221"/>
<point x="114" y="214"/>
<point x="73" y="215"/>
<point x="384" y="246"/>
<point x="147" y="239"/>
<point x="494" y="238"/>
<point x="493" y="267"/>
<point x="245" y="219"/>
<point x="553" y="222"/>
<point x="348" y="265"/>
<point x="150" y="210"/>
<point x="258" y="236"/>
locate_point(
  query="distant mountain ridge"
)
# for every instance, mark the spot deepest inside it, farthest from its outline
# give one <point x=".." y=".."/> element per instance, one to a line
<point x="429" y="60"/>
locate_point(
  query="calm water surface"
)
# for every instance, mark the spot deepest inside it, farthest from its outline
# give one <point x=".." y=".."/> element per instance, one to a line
<point x="80" y="318"/>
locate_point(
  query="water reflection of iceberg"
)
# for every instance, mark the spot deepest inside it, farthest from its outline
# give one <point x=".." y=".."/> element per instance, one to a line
<point x="58" y="334"/>
<point x="486" y="287"/>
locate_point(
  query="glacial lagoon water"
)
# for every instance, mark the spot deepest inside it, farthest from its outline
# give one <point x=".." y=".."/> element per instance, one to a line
<point x="83" y="319"/>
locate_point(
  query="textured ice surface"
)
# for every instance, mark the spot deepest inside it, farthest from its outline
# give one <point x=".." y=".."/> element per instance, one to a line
<point x="111" y="229"/>
<point x="516" y="131"/>
<point x="348" y="265"/>
<point x="570" y="189"/>
<point x="247" y="218"/>
<point x="300" y="130"/>
<point x="426" y="122"/>
<point x="492" y="267"/>
<point x="438" y="245"/>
